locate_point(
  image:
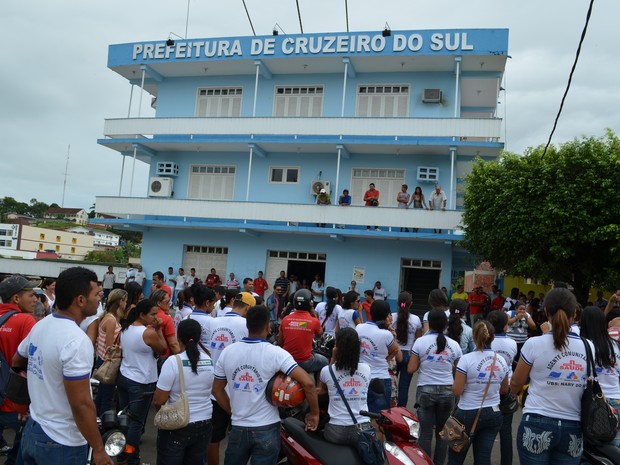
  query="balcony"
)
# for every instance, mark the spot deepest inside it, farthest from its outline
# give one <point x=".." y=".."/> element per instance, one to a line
<point x="484" y="129"/>
<point x="274" y="217"/>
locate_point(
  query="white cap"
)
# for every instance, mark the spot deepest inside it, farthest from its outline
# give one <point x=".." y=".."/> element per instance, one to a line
<point x="323" y="191"/>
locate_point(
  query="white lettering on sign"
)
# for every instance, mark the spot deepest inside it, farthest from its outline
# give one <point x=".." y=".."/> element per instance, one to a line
<point x="303" y="45"/>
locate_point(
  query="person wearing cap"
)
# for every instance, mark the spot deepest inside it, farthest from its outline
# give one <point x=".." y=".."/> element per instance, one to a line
<point x="220" y="333"/>
<point x="322" y="199"/>
<point x="59" y="358"/>
<point x="20" y="300"/>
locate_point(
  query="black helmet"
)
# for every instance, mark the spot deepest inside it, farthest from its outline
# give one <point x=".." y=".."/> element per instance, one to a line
<point x="302" y="299"/>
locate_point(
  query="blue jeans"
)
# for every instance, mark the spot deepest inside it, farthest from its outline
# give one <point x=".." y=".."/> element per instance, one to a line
<point x="37" y="448"/>
<point x="404" y="379"/>
<point x="137" y="398"/>
<point x="105" y="393"/>
<point x="10" y="420"/>
<point x="505" y="440"/>
<point x="185" y="446"/>
<point x="435" y="403"/>
<point x="261" y="443"/>
<point x="314" y="364"/>
<point x="488" y="426"/>
<point x="543" y="440"/>
<point x="378" y="402"/>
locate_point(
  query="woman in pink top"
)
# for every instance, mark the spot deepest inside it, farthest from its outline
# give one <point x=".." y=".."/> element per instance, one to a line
<point x="107" y="336"/>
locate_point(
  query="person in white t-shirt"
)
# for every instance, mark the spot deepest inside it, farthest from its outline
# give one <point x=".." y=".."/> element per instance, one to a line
<point x="378" y="292"/>
<point x="329" y="310"/>
<point x="353" y="377"/>
<point x="185" y="303"/>
<point x="556" y="366"/>
<point x="378" y="344"/>
<point x="188" y="444"/>
<point x="507" y="348"/>
<point x="247" y="366"/>
<point x="606" y="356"/>
<point x="407" y="328"/>
<point x="457" y="329"/>
<point x="59" y="359"/>
<point x="140" y="276"/>
<point x="436" y="299"/>
<point x="348" y="316"/>
<point x="435" y="355"/>
<point x="204" y="301"/>
<point x="480" y="377"/>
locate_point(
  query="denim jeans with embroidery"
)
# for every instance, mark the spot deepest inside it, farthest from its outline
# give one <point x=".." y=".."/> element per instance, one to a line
<point x="483" y="438"/>
<point x="542" y="440"/>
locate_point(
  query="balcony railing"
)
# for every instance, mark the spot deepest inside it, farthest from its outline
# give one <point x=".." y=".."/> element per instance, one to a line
<point x="154" y="211"/>
<point x="479" y="128"/>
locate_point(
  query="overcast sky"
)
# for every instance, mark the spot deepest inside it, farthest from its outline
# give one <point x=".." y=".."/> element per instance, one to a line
<point x="56" y="90"/>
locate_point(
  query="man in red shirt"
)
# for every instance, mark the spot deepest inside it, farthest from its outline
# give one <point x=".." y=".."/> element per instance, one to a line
<point x="260" y="285"/>
<point x="297" y="332"/>
<point x="18" y="296"/>
<point x="158" y="283"/>
<point x="477" y="300"/>
<point x="371" y="199"/>
<point x="498" y="302"/>
<point x="212" y="279"/>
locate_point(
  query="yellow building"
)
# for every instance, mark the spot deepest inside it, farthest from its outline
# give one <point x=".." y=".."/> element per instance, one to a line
<point x="65" y="244"/>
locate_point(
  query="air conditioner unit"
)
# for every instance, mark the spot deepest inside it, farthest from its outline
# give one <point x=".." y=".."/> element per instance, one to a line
<point x="431" y="96"/>
<point x="167" y="168"/>
<point x="161" y="187"/>
<point x="319" y="184"/>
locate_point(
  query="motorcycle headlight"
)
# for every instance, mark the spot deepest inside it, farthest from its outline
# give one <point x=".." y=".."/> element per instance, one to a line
<point x="398" y="453"/>
<point x="114" y="443"/>
<point x="414" y="427"/>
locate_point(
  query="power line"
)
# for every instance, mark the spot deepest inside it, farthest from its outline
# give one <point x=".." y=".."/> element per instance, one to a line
<point x="249" y="19"/>
<point x="301" y="26"/>
<point x="570" y="77"/>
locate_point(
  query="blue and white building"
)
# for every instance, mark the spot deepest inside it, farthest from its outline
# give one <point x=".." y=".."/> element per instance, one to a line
<point x="247" y="128"/>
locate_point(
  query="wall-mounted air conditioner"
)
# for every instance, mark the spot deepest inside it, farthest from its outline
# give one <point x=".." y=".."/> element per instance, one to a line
<point x="160" y="187"/>
<point x="431" y="96"/>
<point x="319" y="184"/>
<point x="167" y="168"/>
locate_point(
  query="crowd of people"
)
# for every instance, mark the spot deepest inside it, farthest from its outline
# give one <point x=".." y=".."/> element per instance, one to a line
<point x="216" y="346"/>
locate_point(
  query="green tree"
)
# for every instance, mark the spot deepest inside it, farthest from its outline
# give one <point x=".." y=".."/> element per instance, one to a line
<point x="555" y="217"/>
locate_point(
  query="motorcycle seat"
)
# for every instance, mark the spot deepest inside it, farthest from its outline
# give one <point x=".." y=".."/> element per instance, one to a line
<point x="325" y="452"/>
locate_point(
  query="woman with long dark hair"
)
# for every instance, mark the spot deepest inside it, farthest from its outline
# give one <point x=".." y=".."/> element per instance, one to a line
<point x="349" y="316"/>
<point x="408" y="328"/>
<point x="606" y="356"/>
<point x="550" y="430"/>
<point x="480" y="377"/>
<point x="188" y="445"/>
<point x="185" y="306"/>
<point x="141" y="336"/>
<point x="329" y="310"/>
<point x="418" y="201"/>
<point x="435" y="355"/>
<point x="135" y="294"/>
<point x="457" y="328"/>
<point x="348" y="371"/>
<point x="378" y="345"/>
<point x="225" y="303"/>
<point x="436" y="299"/>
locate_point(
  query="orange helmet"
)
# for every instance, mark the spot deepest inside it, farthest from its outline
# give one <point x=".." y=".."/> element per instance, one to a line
<point x="284" y="391"/>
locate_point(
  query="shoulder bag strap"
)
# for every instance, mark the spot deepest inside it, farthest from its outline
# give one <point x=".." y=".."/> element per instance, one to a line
<point x="204" y="348"/>
<point x="339" y="389"/>
<point x="181" y="376"/>
<point x="6" y="316"/>
<point x="473" y="428"/>
<point x="591" y="368"/>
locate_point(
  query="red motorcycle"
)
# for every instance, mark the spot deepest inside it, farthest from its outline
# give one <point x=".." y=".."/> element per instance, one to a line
<point x="399" y="426"/>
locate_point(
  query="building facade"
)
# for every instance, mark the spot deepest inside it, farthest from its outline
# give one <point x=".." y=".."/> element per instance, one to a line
<point x="102" y="239"/>
<point x="64" y="244"/>
<point x="77" y="215"/>
<point x="247" y="130"/>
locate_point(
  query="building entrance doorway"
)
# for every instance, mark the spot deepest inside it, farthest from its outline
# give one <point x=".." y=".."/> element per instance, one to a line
<point x="304" y="265"/>
<point x="420" y="277"/>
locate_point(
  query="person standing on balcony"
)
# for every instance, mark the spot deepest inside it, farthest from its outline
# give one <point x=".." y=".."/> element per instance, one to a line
<point x="418" y="201"/>
<point x="437" y="201"/>
<point x="322" y="199"/>
<point x="402" y="201"/>
<point x="371" y="199"/>
<point x="344" y="201"/>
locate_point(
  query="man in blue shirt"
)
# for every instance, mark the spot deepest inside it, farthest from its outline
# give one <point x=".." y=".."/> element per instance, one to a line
<point x="344" y="201"/>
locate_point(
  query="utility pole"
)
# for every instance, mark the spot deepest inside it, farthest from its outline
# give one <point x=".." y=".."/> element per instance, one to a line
<point x="66" y="173"/>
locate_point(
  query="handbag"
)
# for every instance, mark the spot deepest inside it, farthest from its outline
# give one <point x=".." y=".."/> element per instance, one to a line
<point x="454" y="432"/>
<point x="598" y="420"/>
<point x="174" y="415"/>
<point x="508" y="403"/>
<point x="108" y="371"/>
<point x="369" y="448"/>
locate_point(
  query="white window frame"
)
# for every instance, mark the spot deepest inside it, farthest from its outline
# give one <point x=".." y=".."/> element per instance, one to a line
<point x="384" y="94"/>
<point x="231" y="170"/>
<point x="285" y="170"/>
<point x="428" y="174"/>
<point x="298" y="90"/>
<point x="223" y="92"/>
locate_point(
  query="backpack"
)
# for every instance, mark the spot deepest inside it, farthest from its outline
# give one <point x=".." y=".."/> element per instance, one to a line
<point x="513" y="306"/>
<point x="5" y="367"/>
